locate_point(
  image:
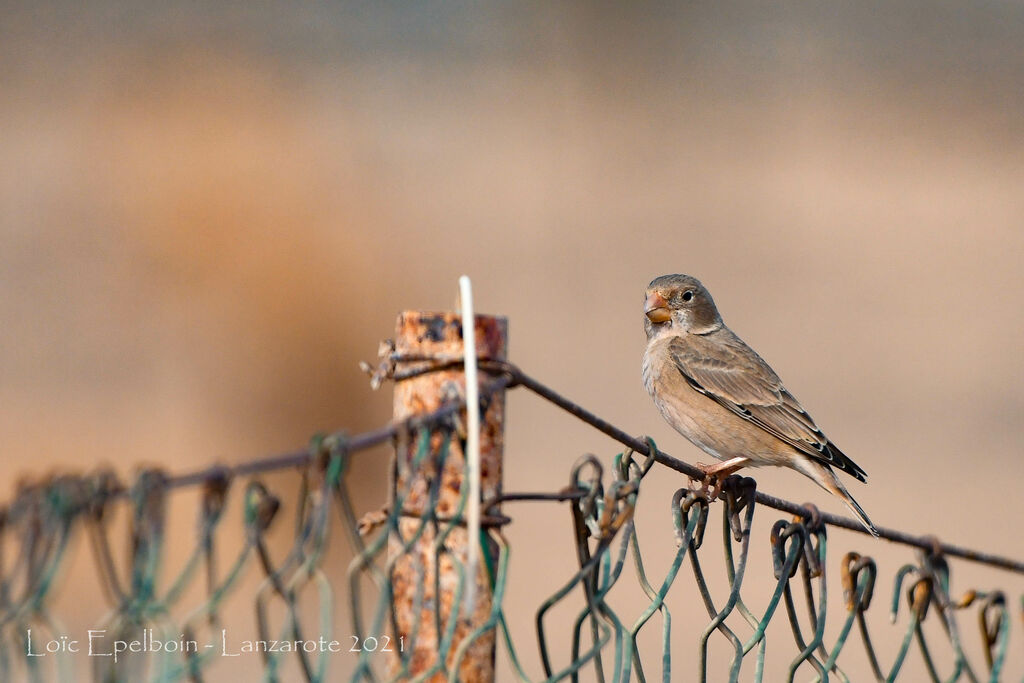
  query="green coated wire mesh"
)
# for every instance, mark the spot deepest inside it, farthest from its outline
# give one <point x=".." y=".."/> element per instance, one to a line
<point x="600" y="504"/>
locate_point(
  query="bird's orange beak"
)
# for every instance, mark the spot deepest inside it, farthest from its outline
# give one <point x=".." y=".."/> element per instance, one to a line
<point x="656" y="308"/>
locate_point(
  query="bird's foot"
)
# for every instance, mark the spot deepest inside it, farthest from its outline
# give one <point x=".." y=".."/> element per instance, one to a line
<point x="710" y="487"/>
<point x="715" y="475"/>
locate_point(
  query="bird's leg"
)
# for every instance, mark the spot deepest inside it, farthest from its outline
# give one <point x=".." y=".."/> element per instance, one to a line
<point x="715" y="474"/>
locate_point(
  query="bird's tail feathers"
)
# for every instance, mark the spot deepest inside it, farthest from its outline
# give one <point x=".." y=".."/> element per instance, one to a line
<point x="826" y="479"/>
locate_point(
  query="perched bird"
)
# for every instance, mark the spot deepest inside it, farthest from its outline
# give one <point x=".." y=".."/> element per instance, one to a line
<point x="718" y="393"/>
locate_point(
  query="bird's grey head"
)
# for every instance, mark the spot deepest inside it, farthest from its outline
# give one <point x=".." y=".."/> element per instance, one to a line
<point x="679" y="304"/>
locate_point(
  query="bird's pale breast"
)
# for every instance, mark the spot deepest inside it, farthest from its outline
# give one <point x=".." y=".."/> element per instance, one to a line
<point x="704" y="422"/>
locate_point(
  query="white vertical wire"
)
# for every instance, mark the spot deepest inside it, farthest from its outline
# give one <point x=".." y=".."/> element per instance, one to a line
<point x="472" y="439"/>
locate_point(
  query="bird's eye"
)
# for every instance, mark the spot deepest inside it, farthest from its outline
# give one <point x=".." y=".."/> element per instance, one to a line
<point x="687" y="296"/>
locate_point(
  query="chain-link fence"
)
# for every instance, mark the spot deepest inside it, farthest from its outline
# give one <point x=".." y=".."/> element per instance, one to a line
<point x="412" y="623"/>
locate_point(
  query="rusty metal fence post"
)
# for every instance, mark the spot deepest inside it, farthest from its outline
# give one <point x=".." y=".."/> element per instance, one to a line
<point x="439" y="336"/>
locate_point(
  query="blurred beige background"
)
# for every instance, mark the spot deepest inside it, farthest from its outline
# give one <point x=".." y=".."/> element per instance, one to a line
<point x="209" y="214"/>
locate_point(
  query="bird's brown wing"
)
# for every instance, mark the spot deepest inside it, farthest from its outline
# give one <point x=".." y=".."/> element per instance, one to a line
<point x="722" y="367"/>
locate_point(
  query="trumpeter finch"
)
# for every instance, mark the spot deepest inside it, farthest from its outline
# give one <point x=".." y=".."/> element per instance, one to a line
<point x="718" y="393"/>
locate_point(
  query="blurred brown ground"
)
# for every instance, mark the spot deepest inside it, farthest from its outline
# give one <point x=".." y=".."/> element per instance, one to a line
<point x="208" y="215"/>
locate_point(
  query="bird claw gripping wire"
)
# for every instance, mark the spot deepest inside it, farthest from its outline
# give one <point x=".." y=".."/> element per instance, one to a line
<point x="709" y="487"/>
<point x="712" y="486"/>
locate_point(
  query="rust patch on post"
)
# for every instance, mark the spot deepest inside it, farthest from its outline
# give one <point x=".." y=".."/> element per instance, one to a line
<point x="439" y="335"/>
